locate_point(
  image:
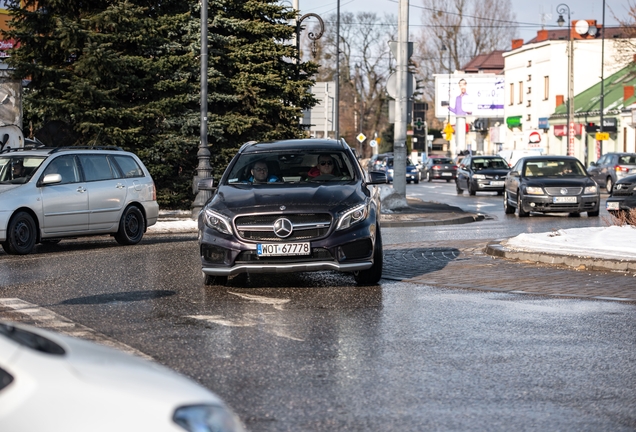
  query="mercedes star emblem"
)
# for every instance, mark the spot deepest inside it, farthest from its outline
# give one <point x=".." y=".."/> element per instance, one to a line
<point x="283" y="227"/>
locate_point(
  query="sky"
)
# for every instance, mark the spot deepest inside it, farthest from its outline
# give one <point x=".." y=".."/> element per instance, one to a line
<point x="529" y="13"/>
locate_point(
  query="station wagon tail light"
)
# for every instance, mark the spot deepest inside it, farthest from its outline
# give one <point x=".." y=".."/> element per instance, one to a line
<point x="436" y="167"/>
<point x="352" y="216"/>
<point x="590" y="190"/>
<point x="454" y="167"/>
<point x="532" y="190"/>
<point x="619" y="168"/>
<point x="217" y="221"/>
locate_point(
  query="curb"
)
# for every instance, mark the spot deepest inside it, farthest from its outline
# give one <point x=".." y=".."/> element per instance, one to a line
<point x="415" y="223"/>
<point x="495" y="249"/>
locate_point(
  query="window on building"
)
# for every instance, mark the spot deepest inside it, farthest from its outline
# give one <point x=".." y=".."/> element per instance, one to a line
<point x="529" y="90"/>
<point x="512" y="93"/>
<point x="546" y="87"/>
<point x="529" y="77"/>
<point x="528" y="117"/>
<point x="529" y="103"/>
<point x="520" y="92"/>
<point x="529" y="63"/>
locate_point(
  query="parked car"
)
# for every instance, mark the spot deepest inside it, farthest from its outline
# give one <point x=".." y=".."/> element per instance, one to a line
<point x="623" y="196"/>
<point x="481" y="174"/>
<point x="612" y="167"/>
<point x="512" y="156"/>
<point x="52" y="382"/>
<point x="412" y="173"/>
<point x="441" y="168"/>
<point x="299" y="222"/>
<point x="376" y="161"/>
<point x="47" y="194"/>
<point x="550" y="184"/>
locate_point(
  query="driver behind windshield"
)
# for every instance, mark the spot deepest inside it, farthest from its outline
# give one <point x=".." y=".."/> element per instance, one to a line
<point x="17" y="169"/>
<point x="260" y="174"/>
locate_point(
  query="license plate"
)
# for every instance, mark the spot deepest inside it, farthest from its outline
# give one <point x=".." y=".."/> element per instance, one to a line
<point x="566" y="199"/>
<point x="447" y="174"/>
<point x="612" y="206"/>
<point x="283" y="249"/>
<point x="496" y="183"/>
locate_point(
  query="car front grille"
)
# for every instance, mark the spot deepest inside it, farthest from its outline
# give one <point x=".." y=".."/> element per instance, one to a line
<point x="305" y="227"/>
<point x="558" y="191"/>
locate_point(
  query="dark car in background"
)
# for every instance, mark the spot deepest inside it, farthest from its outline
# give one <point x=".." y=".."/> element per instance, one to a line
<point x="623" y="196"/>
<point x="412" y="173"/>
<point x="297" y="221"/>
<point x="612" y="167"/>
<point x="481" y="174"/>
<point x="550" y="184"/>
<point x="442" y="168"/>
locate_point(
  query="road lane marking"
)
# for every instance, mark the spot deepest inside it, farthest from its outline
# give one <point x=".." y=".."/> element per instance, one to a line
<point x="276" y="302"/>
<point x="218" y="319"/>
<point x="49" y="320"/>
<point x="266" y="327"/>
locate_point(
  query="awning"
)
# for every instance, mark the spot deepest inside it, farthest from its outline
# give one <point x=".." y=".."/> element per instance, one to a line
<point x="513" y="121"/>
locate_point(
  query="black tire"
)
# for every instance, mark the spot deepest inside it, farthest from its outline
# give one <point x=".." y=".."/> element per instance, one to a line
<point x="574" y="214"/>
<point x="471" y="191"/>
<point x="416" y="181"/>
<point x="51" y="242"/>
<point x="21" y="234"/>
<point x="214" y="280"/>
<point x="520" y="210"/>
<point x="429" y="178"/>
<point x="593" y="213"/>
<point x="131" y="226"/>
<point x="499" y="193"/>
<point x="372" y="275"/>
<point x="508" y="209"/>
<point x="609" y="184"/>
<point x="448" y="180"/>
<point x="457" y="188"/>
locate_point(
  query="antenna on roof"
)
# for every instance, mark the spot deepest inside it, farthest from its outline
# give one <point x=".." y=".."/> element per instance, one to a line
<point x="545" y="17"/>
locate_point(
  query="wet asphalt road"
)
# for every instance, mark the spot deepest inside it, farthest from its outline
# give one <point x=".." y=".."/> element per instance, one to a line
<point x="314" y="352"/>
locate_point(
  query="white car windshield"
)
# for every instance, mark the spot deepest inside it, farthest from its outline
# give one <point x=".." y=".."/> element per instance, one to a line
<point x="16" y="168"/>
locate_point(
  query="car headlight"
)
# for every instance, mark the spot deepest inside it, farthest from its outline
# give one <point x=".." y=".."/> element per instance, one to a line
<point x="217" y="221"/>
<point x="590" y="190"/>
<point x="207" y="418"/>
<point x="353" y="216"/>
<point x="533" y="190"/>
<point x="479" y="176"/>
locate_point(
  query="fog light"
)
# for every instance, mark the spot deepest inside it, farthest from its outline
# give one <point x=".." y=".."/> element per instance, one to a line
<point x="532" y="204"/>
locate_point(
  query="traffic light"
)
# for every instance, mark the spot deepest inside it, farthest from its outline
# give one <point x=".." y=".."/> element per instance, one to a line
<point x="591" y="127"/>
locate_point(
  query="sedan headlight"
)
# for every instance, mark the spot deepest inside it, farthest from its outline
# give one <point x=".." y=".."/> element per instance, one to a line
<point x="207" y="418"/>
<point x="479" y="176"/>
<point x="533" y="190"/>
<point x="353" y="216"/>
<point x="217" y="221"/>
<point x="590" y="190"/>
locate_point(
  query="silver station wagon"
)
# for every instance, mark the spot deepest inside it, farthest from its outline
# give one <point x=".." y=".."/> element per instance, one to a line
<point x="47" y="194"/>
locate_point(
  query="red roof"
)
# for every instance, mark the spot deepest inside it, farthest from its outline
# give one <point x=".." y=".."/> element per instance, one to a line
<point x="486" y="63"/>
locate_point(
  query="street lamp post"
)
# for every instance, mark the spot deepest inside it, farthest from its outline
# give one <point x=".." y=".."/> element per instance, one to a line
<point x="562" y="9"/>
<point x="204" y="170"/>
<point x="311" y="35"/>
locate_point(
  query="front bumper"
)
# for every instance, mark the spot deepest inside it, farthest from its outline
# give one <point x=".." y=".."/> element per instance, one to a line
<point x="348" y="250"/>
<point x="625" y="203"/>
<point x="546" y="204"/>
<point x="488" y="185"/>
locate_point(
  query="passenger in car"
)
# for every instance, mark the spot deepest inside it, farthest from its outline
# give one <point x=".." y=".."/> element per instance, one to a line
<point x="17" y="169"/>
<point x="323" y="169"/>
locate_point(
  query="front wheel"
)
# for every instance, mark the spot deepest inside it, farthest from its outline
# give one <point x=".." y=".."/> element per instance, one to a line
<point x="131" y="227"/>
<point x="522" y="212"/>
<point x="609" y="184"/>
<point x="372" y="275"/>
<point x="471" y="191"/>
<point x="508" y="209"/>
<point x="429" y="178"/>
<point x="593" y="213"/>
<point x="21" y="235"/>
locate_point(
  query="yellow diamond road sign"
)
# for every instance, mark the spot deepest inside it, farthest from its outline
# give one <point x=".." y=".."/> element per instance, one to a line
<point x="361" y="137"/>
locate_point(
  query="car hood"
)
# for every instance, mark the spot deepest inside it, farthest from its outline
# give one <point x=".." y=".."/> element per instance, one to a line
<point x="560" y="182"/>
<point x="493" y="172"/>
<point x="8" y="187"/>
<point x="233" y="199"/>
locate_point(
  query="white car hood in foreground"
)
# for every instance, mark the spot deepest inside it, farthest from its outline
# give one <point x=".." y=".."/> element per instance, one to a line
<point x="90" y="388"/>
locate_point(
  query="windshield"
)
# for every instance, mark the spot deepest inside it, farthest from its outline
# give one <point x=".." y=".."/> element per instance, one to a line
<point x="291" y="167"/>
<point x="16" y="169"/>
<point x="553" y="168"/>
<point x="482" y="163"/>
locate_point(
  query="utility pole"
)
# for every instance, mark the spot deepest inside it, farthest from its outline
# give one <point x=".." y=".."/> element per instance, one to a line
<point x="401" y="104"/>
<point x="336" y="120"/>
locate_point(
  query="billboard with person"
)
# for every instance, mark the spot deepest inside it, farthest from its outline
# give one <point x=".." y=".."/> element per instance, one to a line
<point x="478" y="95"/>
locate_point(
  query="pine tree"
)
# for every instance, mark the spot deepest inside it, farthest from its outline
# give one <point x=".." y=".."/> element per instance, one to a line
<point x="126" y="73"/>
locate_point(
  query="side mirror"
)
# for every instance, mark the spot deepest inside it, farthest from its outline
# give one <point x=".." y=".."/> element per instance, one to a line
<point x="377" y="177"/>
<point x="52" y="178"/>
<point x="514" y="173"/>
<point x="206" y="184"/>
<point x="593" y="164"/>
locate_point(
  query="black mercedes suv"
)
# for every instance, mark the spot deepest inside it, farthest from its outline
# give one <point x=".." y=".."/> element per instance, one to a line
<point x="292" y="206"/>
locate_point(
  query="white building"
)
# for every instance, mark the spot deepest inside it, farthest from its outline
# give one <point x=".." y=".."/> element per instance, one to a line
<point x="536" y="76"/>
